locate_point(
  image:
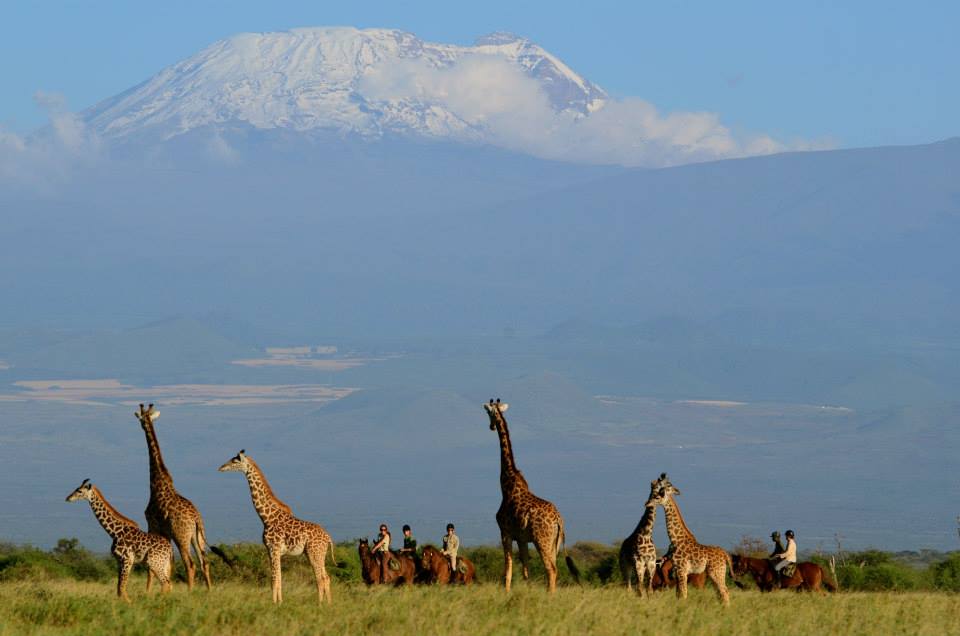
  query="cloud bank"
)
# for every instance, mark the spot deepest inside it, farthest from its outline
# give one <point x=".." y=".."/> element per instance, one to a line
<point x="506" y="107"/>
<point x="42" y="160"/>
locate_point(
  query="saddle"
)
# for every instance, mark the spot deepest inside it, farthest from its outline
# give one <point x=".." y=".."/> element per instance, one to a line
<point x="461" y="566"/>
<point x="788" y="570"/>
<point x="393" y="561"/>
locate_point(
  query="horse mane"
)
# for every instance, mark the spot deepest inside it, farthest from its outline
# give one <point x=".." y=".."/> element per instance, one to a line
<point x="123" y="518"/>
<point x="267" y="489"/>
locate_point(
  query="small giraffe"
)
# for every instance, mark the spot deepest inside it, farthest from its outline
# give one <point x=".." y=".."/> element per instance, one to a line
<point x="690" y="557"/>
<point x="638" y="552"/>
<point x="523" y="517"/>
<point x="168" y="512"/>
<point x="282" y="532"/>
<point x="131" y="545"/>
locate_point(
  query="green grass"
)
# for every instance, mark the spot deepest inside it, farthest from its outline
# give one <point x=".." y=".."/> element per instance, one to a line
<point x="77" y="607"/>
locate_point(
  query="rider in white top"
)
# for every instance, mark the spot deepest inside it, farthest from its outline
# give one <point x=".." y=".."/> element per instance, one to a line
<point x="789" y="554"/>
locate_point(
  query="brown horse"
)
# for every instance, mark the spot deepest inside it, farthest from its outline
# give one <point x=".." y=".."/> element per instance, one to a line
<point x="372" y="572"/>
<point x="808" y="575"/>
<point x="664" y="576"/>
<point x="436" y="567"/>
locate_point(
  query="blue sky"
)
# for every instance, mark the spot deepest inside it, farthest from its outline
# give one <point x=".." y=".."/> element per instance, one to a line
<point x="860" y="73"/>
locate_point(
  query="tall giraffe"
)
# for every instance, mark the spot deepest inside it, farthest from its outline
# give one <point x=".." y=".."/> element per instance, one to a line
<point x="168" y="512"/>
<point x="131" y="545"/>
<point x="688" y="555"/>
<point x="282" y="532"/>
<point x="523" y="517"/>
<point x="638" y="552"/>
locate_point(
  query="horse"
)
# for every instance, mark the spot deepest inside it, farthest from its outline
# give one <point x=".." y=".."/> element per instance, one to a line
<point x="664" y="576"/>
<point x="436" y="567"/>
<point x="372" y="571"/>
<point x="808" y="575"/>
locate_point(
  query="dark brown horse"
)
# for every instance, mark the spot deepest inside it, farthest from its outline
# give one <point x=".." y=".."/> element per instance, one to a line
<point x="436" y="568"/>
<point x="664" y="576"/>
<point x="808" y="575"/>
<point x="372" y="571"/>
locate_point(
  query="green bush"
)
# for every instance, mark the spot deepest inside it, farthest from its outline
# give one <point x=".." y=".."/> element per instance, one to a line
<point x="946" y="573"/>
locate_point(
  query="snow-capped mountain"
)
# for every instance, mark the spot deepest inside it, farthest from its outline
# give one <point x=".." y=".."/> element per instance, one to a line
<point x="319" y="79"/>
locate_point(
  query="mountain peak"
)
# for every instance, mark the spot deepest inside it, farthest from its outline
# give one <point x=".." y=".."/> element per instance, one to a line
<point x="318" y="78"/>
<point x="499" y="37"/>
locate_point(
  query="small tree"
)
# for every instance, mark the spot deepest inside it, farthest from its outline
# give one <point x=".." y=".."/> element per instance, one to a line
<point x="751" y="547"/>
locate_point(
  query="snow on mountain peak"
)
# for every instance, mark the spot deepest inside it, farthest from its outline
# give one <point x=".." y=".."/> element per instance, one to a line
<point x="320" y="78"/>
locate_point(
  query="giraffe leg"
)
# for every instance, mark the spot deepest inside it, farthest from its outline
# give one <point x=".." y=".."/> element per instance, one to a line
<point x="549" y="558"/>
<point x="681" y="570"/>
<point x="651" y="569"/>
<point x="524" y="549"/>
<point x="317" y="555"/>
<point x="507" y="560"/>
<point x="640" y="569"/>
<point x="275" y="575"/>
<point x="202" y="560"/>
<point x="125" y="565"/>
<point x="183" y="545"/>
<point x="149" y="579"/>
<point x="718" y="574"/>
<point x="626" y="573"/>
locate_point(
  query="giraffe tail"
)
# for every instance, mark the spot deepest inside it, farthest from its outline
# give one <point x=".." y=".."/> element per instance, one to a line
<point x="562" y="545"/>
<point x="333" y="554"/>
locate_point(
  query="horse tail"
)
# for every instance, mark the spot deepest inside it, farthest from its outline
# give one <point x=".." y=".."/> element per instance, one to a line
<point x="562" y="545"/>
<point x="827" y="580"/>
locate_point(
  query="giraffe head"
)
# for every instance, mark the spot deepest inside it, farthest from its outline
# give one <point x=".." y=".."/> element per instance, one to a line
<point x="84" y="491"/>
<point x="146" y="416"/>
<point x="668" y="487"/>
<point x="495" y="411"/>
<point x="239" y="463"/>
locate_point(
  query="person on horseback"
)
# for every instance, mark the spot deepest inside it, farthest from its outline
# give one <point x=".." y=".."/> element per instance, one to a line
<point x="451" y="543"/>
<point x="409" y="543"/>
<point x="381" y="549"/>
<point x="788" y="556"/>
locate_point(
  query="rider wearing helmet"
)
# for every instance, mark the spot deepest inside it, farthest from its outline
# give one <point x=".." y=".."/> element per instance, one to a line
<point x="789" y="554"/>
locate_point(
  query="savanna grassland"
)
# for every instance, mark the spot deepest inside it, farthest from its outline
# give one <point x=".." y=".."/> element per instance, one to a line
<point x="72" y="607"/>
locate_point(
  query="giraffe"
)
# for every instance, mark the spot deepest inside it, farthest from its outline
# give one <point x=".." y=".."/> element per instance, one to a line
<point x="688" y="555"/>
<point x="131" y="545"/>
<point x="282" y="532"/>
<point x="168" y="512"/>
<point x="523" y="517"/>
<point x="638" y="550"/>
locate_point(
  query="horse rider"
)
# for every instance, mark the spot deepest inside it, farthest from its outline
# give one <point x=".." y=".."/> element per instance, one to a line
<point x="382" y="550"/>
<point x="451" y="543"/>
<point x="409" y="543"/>
<point x="788" y="556"/>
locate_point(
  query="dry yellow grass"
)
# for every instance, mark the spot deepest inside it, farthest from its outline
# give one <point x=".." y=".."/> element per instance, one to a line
<point x="91" y="608"/>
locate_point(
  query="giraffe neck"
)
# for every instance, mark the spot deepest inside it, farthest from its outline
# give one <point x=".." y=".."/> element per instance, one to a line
<point x="645" y="526"/>
<point x="159" y="475"/>
<point x="264" y="501"/>
<point x="111" y="520"/>
<point x="510" y="475"/>
<point x="677" y="528"/>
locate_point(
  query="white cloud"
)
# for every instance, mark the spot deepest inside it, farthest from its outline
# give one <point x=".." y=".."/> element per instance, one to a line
<point x="48" y="156"/>
<point x="508" y="108"/>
